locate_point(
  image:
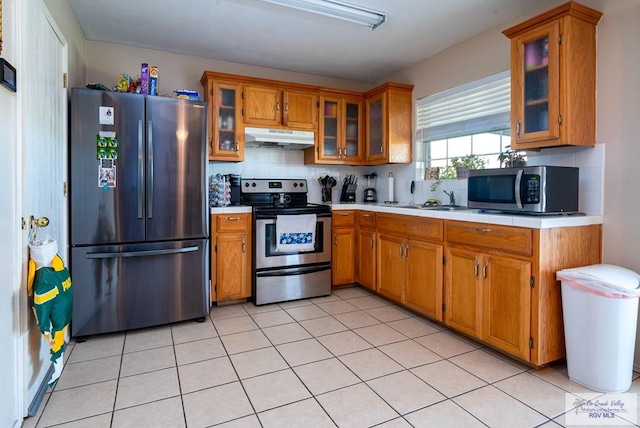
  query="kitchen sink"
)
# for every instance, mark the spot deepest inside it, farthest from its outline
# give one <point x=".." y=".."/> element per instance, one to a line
<point x="434" y="207"/>
<point x="445" y="208"/>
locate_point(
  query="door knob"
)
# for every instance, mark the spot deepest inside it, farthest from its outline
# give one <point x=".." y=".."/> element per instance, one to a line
<point x="40" y="221"/>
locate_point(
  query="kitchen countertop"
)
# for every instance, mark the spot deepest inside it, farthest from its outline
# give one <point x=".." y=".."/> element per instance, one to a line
<point x="535" y="222"/>
<point x="531" y="221"/>
<point x="230" y="209"/>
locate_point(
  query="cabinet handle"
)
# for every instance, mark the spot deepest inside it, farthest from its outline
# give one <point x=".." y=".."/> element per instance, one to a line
<point x="286" y="107"/>
<point x="232" y="218"/>
<point x="518" y="128"/>
<point x="482" y="229"/>
<point x="277" y="105"/>
<point x="244" y="246"/>
<point x="406" y="251"/>
<point x="335" y="240"/>
<point x="484" y="270"/>
<point x="401" y="250"/>
<point x="372" y="242"/>
<point x="237" y="146"/>
<point x="475" y="269"/>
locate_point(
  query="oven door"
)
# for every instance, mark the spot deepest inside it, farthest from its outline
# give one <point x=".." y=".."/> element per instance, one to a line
<point x="267" y="257"/>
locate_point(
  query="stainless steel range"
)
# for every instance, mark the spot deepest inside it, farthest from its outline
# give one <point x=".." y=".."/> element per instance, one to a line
<point x="282" y="274"/>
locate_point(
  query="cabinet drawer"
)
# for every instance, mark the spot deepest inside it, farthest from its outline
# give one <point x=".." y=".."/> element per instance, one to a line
<point x="343" y="218"/>
<point x="410" y="226"/>
<point x="516" y="240"/>
<point x="367" y="219"/>
<point x="231" y="222"/>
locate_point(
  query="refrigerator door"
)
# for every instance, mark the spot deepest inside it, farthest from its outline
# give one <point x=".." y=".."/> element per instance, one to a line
<point x="176" y="169"/>
<point x="123" y="287"/>
<point x="103" y="214"/>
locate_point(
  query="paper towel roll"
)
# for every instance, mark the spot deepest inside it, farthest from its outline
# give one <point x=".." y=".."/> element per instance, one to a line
<point x="391" y="187"/>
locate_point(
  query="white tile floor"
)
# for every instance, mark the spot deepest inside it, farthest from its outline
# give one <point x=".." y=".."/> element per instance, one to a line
<point x="351" y="359"/>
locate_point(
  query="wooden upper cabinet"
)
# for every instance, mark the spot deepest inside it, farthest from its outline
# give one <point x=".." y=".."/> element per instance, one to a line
<point x="226" y="132"/>
<point x="389" y="122"/>
<point x="300" y="109"/>
<point x="553" y="78"/>
<point x="340" y="138"/>
<point x="262" y="105"/>
<point x="275" y="106"/>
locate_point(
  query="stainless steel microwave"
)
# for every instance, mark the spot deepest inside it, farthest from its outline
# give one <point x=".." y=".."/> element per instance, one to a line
<point x="526" y="190"/>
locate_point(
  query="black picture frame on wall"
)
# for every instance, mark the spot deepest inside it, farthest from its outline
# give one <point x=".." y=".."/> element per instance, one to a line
<point x="7" y="75"/>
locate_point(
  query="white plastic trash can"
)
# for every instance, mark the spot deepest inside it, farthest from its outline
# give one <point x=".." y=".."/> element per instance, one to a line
<point x="600" y="308"/>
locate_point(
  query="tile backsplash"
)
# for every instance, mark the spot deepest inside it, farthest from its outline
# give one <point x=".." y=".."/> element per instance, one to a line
<point x="278" y="163"/>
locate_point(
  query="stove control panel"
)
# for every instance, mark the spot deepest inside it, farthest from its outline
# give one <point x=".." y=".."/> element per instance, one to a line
<point x="267" y="185"/>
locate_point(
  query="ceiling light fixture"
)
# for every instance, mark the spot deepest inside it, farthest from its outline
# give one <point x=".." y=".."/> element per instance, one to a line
<point x="338" y="10"/>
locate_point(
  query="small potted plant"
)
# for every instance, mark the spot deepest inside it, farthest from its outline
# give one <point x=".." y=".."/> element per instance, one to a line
<point x="464" y="164"/>
<point x="512" y="158"/>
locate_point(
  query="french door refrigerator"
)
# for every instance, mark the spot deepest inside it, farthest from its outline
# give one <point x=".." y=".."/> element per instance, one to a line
<point x="138" y="219"/>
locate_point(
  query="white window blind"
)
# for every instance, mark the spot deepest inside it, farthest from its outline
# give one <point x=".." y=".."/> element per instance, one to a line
<point x="480" y="106"/>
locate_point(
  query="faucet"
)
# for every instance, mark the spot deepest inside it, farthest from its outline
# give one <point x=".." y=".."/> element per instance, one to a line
<point x="452" y="198"/>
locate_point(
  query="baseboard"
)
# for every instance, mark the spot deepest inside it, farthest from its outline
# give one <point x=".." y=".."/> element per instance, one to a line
<point x="35" y="403"/>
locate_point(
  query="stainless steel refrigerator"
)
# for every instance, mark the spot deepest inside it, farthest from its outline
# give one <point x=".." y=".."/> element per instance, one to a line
<point x="138" y="211"/>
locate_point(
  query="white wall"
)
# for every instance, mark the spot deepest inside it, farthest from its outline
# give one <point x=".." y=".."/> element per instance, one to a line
<point x="10" y="262"/>
<point x="106" y="61"/>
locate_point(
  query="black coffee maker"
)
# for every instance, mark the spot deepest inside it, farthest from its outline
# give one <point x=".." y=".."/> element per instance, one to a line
<point x="234" y="181"/>
<point x="370" y="191"/>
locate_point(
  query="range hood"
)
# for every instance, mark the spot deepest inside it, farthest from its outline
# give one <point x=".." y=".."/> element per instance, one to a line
<point x="283" y="138"/>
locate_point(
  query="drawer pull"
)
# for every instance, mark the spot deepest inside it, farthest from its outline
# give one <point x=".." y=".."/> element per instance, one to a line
<point x="482" y="229"/>
<point x="366" y="215"/>
<point x="345" y="214"/>
<point x="232" y="218"/>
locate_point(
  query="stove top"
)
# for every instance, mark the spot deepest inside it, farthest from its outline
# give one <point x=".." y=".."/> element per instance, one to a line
<point x="278" y="196"/>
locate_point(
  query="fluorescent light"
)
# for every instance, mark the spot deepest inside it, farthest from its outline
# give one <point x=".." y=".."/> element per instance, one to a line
<point x="338" y="10"/>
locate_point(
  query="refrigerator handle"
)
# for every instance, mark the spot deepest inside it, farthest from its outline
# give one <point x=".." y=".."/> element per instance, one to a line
<point x="150" y="169"/>
<point x="140" y="169"/>
<point x="143" y="253"/>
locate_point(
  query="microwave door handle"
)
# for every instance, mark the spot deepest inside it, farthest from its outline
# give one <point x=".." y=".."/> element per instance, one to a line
<point x="517" y="189"/>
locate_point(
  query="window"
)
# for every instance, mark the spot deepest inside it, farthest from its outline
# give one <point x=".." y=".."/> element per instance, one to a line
<point x="469" y="119"/>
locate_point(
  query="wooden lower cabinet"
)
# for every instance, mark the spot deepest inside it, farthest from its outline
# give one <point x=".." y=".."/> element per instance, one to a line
<point x="230" y="257"/>
<point x="489" y="297"/>
<point x="423" y="290"/>
<point x="343" y="248"/>
<point x="366" y="249"/>
<point x="500" y="284"/>
<point x="409" y="262"/>
<point x="391" y="266"/>
<point x="491" y="282"/>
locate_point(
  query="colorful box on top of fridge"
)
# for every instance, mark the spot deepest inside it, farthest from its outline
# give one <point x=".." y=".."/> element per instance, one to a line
<point x="144" y="78"/>
<point x="186" y="94"/>
<point x="153" y="80"/>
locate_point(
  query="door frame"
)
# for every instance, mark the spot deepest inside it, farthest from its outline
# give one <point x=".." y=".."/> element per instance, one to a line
<point x="21" y="251"/>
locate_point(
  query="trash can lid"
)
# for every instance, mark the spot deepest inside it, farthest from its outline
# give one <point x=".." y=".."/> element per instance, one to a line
<point x="604" y="276"/>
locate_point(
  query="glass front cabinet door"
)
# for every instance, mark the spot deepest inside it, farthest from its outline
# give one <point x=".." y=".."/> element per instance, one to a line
<point x="553" y="78"/>
<point x="227" y="136"/>
<point x="536" y="101"/>
<point x="340" y="139"/>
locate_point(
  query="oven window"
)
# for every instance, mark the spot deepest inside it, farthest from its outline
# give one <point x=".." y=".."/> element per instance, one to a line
<point x="270" y="241"/>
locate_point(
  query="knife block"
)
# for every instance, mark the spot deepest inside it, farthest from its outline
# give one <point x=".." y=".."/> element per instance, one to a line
<point x="348" y="193"/>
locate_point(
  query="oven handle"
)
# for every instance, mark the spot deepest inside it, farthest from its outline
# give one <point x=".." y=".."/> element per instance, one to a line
<point x="294" y="271"/>
<point x="262" y="216"/>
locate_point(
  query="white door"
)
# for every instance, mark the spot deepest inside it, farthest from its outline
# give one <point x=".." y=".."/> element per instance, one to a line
<point x="43" y="119"/>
